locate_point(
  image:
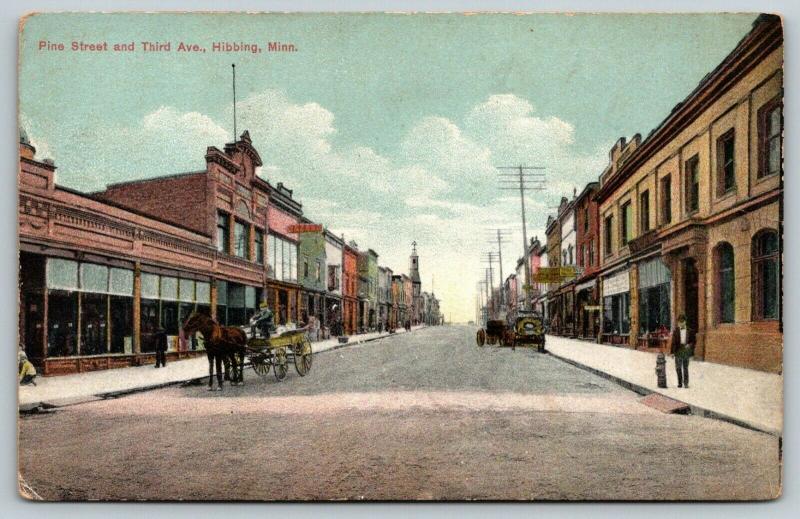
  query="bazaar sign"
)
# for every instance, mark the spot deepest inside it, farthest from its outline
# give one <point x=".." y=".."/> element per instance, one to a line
<point x="304" y="227"/>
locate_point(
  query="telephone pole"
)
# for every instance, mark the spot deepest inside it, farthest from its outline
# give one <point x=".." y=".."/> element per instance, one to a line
<point x="517" y="181"/>
<point x="500" y="236"/>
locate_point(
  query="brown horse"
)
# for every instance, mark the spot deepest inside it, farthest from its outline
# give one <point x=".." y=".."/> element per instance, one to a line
<point x="222" y="343"/>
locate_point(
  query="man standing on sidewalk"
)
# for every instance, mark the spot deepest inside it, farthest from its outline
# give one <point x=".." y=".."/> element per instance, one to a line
<point x="160" y="339"/>
<point x="682" y="349"/>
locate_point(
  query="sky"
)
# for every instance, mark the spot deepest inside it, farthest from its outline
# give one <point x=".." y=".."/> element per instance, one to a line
<point x="388" y="128"/>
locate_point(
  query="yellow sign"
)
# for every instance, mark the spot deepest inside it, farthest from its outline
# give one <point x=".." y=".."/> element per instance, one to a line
<point x="554" y="274"/>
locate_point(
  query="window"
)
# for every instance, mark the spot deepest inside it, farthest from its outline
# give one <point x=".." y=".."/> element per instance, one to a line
<point x="666" y="200"/>
<point x="766" y="275"/>
<point x="333" y="277"/>
<point x="692" y="171"/>
<point x="241" y="240"/>
<point x="644" y="212"/>
<point x="582" y="256"/>
<point x="259" y="245"/>
<point x="319" y="271"/>
<point x="571" y="261"/>
<point x="626" y="227"/>
<point x="223" y="233"/>
<point x="282" y="256"/>
<point x="770" y="135"/>
<point x="609" y="226"/>
<point x="305" y="268"/>
<point x="591" y="253"/>
<point x="726" y="167"/>
<point x="726" y="283"/>
<point x="586" y="219"/>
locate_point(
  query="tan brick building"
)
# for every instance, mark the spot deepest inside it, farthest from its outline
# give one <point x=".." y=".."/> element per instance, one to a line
<point x="691" y="217"/>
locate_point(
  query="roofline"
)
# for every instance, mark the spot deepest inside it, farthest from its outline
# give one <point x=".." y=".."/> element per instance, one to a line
<point x="765" y="36"/>
<point x="151" y="179"/>
<point x="115" y="205"/>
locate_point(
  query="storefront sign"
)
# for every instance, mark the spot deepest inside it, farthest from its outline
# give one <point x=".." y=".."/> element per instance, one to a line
<point x="616" y="284"/>
<point x="304" y="227"/>
<point x="554" y="274"/>
<point x="592" y="308"/>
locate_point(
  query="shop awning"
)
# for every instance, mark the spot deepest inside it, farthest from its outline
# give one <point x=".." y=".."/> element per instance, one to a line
<point x="616" y="284"/>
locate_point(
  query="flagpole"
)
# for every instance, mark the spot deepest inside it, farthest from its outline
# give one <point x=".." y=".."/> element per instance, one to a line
<point x="233" y="67"/>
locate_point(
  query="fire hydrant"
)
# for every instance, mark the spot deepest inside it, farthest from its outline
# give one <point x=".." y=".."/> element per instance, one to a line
<point x="661" y="370"/>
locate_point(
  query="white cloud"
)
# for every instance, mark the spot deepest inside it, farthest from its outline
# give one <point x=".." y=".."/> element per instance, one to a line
<point x="441" y="189"/>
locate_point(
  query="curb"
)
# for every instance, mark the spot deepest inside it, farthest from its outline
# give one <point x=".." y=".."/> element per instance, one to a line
<point x="37" y="407"/>
<point x="693" y="409"/>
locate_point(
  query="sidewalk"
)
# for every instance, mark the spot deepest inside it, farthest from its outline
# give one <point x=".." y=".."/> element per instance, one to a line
<point x="746" y="397"/>
<point x="96" y="385"/>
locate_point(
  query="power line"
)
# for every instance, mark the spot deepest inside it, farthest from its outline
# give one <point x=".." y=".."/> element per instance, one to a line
<point x="523" y="174"/>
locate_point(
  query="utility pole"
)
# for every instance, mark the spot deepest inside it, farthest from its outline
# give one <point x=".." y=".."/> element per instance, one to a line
<point x="537" y="179"/>
<point x="500" y="236"/>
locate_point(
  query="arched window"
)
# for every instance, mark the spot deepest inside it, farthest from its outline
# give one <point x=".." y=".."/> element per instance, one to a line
<point x="726" y="283"/>
<point x="766" y="275"/>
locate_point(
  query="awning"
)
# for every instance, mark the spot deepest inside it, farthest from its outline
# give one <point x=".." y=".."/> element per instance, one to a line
<point x="653" y="273"/>
<point x="585" y="285"/>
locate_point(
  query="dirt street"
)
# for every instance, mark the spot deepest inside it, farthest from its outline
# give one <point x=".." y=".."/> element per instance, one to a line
<point x="425" y="415"/>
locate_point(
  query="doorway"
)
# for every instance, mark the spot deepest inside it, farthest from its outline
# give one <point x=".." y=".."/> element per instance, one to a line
<point x="690" y="292"/>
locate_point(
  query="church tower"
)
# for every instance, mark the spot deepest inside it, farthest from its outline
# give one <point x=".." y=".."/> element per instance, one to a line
<point x="416" y="286"/>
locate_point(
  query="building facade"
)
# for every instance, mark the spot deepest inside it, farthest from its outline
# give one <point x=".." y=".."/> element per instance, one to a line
<point x="691" y="216"/>
<point x="587" y="291"/>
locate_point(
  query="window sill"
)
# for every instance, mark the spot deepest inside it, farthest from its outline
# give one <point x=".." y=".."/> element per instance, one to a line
<point x="726" y="195"/>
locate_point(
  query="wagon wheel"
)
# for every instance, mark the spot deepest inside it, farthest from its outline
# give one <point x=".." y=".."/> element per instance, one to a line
<point x="260" y="366"/>
<point x="302" y="357"/>
<point x="280" y="363"/>
<point x="481" y="337"/>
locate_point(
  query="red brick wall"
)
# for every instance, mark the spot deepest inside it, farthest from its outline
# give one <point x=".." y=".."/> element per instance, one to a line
<point x="592" y="235"/>
<point x="180" y="199"/>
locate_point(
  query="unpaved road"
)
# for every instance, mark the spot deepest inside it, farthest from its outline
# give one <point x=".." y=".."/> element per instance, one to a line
<point x="425" y="415"/>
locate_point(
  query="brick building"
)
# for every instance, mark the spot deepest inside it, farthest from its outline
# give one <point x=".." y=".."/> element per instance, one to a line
<point x="587" y="291"/>
<point x="691" y="217"/>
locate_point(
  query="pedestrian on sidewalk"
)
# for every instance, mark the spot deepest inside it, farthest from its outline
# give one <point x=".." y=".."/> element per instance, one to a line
<point x="683" y="340"/>
<point x="26" y="370"/>
<point x="160" y="339"/>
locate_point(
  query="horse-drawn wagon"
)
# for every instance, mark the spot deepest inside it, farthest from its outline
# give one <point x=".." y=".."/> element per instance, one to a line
<point x="278" y="351"/>
<point x="496" y="331"/>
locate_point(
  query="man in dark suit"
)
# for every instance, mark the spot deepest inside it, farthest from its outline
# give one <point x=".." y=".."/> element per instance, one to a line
<point x="160" y="339"/>
<point x="683" y="341"/>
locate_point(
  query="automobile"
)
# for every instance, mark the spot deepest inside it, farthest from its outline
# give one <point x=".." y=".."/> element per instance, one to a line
<point x="529" y="329"/>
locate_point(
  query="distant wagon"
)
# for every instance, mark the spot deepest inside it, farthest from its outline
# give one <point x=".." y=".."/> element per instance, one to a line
<point x="496" y="331"/>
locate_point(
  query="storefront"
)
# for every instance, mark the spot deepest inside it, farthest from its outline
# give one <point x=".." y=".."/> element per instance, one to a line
<point x="616" y="308"/>
<point x="655" y="290"/>
<point x="236" y="303"/>
<point x="166" y="302"/>
<point x="587" y="309"/>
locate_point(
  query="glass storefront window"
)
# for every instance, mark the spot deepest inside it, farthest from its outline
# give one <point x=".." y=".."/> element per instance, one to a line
<point x="150" y="284"/>
<point x="186" y="290"/>
<point x="93" y="324"/>
<point x="121" y="282"/>
<point x="121" y="324"/>
<point x="169" y="317"/>
<point x="654" y="309"/>
<point x="169" y="288"/>
<point x="616" y="314"/>
<point x="149" y="323"/>
<point x="62" y="325"/>
<point x="94" y="278"/>
<point x="203" y="293"/>
<point x="62" y="274"/>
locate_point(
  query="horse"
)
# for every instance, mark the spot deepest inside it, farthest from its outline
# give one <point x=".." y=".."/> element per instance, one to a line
<point x="222" y="343"/>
